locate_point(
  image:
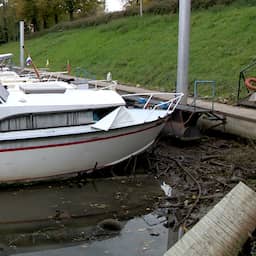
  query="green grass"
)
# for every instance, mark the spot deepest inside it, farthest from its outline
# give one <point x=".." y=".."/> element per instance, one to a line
<point x="144" y="50"/>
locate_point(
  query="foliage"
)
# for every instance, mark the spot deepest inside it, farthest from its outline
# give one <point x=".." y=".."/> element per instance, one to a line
<point x="8" y="29"/>
<point x="150" y="7"/>
<point x="171" y="6"/>
<point x="143" y="50"/>
<point x="80" y="6"/>
<point x="41" y="14"/>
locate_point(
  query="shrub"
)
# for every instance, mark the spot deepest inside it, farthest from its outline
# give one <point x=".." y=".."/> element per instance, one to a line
<point x="154" y="7"/>
<point x="162" y="7"/>
<point x="205" y="4"/>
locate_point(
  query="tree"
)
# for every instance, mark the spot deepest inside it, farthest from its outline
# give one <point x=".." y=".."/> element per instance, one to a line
<point x="57" y="10"/>
<point x="4" y="28"/>
<point x="49" y="12"/>
<point x="137" y="2"/>
<point x="40" y="14"/>
<point x="70" y="6"/>
<point x="27" y="10"/>
<point x="80" y="7"/>
<point x="87" y="7"/>
<point x="8" y="24"/>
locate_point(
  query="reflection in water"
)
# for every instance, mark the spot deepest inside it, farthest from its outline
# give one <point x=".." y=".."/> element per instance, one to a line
<point x="136" y="238"/>
<point x="65" y="216"/>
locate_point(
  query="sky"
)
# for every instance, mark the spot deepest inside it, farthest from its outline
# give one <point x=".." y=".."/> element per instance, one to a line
<point x="114" y="5"/>
<point x="111" y="5"/>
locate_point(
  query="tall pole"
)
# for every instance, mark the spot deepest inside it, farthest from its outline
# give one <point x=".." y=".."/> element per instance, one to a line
<point x="141" y="8"/>
<point x="183" y="48"/>
<point x="22" y="44"/>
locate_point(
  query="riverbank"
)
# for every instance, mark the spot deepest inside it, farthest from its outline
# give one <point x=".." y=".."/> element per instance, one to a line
<point x="143" y="50"/>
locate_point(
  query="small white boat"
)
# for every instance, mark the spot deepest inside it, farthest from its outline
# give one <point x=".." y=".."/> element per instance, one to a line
<point x="54" y="129"/>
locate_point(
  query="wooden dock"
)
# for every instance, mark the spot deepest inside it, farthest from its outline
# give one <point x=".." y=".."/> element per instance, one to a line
<point x="238" y="120"/>
<point x="224" y="230"/>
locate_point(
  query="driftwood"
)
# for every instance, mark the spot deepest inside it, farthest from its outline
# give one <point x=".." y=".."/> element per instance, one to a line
<point x="209" y="157"/>
<point x="224" y="229"/>
<point x="183" y="221"/>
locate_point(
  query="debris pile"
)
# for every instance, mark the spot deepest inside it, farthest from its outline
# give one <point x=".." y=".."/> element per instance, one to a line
<point x="200" y="175"/>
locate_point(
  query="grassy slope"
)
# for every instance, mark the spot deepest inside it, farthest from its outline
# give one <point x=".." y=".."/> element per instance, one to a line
<point x="144" y="50"/>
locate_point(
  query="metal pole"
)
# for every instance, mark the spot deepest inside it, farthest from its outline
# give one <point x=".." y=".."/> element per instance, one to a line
<point x="141" y="8"/>
<point x="183" y="48"/>
<point x="22" y="44"/>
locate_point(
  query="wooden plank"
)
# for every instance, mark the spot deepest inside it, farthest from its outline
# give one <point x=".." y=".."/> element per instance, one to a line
<point x="224" y="229"/>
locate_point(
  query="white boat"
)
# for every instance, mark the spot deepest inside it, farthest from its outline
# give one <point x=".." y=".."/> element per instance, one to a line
<point x="53" y="129"/>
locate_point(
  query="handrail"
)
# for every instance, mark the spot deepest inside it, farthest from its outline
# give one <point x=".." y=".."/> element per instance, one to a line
<point x="171" y="103"/>
<point x="111" y="86"/>
<point x="242" y="76"/>
<point x="196" y="83"/>
<point x="5" y="59"/>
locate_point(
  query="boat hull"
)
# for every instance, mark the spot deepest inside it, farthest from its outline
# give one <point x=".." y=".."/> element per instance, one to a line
<point x="43" y="158"/>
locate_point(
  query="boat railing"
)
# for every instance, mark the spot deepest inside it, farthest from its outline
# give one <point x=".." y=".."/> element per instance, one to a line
<point x="155" y="100"/>
<point x="5" y="59"/>
<point x="52" y="76"/>
<point x="111" y="85"/>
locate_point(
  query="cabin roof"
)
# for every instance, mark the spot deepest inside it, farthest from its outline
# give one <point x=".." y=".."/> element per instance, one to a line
<point x="19" y="102"/>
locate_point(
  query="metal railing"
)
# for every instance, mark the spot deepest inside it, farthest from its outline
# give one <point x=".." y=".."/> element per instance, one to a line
<point x="151" y="100"/>
<point x="196" y="96"/>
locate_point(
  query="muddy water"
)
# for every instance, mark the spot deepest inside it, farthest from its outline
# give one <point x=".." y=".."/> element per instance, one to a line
<point x="136" y="238"/>
<point x="40" y="218"/>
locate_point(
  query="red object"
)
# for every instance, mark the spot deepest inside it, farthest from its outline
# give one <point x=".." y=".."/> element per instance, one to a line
<point x="249" y="83"/>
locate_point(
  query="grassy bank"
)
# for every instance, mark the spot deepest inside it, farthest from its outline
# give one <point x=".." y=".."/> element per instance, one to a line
<point x="144" y="50"/>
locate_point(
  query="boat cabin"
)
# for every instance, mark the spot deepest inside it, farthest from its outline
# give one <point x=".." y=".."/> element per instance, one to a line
<point x="52" y="105"/>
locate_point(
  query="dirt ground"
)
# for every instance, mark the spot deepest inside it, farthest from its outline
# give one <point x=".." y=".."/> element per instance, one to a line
<point x="200" y="174"/>
<point x="207" y="169"/>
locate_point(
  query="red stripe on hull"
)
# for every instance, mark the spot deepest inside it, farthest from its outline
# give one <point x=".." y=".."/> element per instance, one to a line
<point x="78" y="142"/>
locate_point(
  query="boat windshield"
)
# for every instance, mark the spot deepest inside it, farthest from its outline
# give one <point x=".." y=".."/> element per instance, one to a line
<point x="3" y="94"/>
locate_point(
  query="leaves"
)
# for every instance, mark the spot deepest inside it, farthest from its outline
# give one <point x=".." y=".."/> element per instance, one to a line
<point x="41" y="14"/>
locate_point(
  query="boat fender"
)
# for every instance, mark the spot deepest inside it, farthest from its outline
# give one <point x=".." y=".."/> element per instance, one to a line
<point x="249" y="83"/>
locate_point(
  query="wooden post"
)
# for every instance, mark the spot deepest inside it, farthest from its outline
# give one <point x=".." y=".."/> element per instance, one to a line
<point x="224" y="230"/>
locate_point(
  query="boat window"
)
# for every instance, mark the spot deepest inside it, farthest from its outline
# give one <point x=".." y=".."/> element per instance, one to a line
<point x="31" y="121"/>
<point x="100" y="113"/>
<point x="46" y="120"/>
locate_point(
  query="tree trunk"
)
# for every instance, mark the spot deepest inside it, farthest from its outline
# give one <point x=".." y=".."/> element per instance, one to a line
<point x="56" y="18"/>
<point x="45" y="23"/>
<point x="35" y="24"/>
<point x="71" y="15"/>
<point x="5" y="26"/>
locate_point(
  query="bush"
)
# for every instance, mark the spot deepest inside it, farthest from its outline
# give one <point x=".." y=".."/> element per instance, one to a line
<point x="154" y="7"/>
<point x="162" y="7"/>
<point x="205" y="4"/>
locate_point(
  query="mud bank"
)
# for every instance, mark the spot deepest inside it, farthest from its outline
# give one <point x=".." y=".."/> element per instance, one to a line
<point x="60" y="215"/>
